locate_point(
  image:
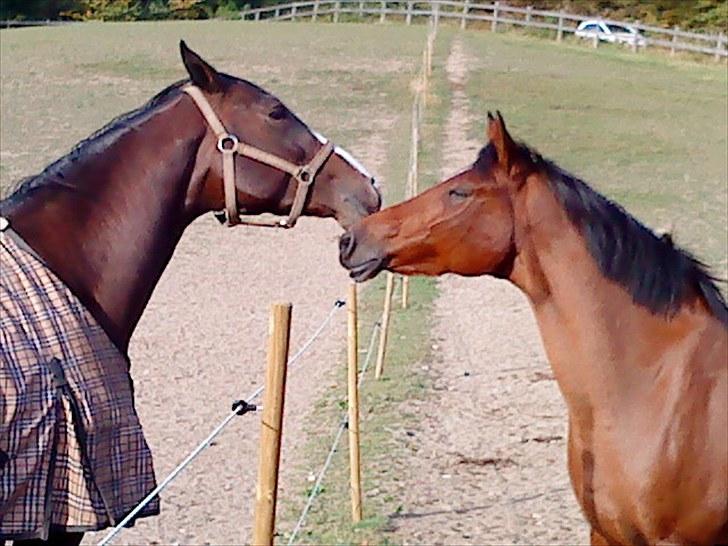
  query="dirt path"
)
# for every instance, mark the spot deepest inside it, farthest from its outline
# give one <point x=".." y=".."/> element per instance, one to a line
<point x="201" y="344"/>
<point x="490" y="466"/>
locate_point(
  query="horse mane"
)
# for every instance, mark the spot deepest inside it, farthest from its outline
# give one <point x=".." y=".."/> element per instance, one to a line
<point x="99" y="139"/>
<point x="657" y="274"/>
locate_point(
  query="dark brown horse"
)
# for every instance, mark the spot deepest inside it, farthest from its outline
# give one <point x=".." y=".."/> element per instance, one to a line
<point x="634" y="328"/>
<point x="106" y="218"/>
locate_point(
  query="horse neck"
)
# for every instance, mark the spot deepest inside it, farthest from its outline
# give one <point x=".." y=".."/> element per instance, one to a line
<point x="601" y="345"/>
<point x="107" y="224"/>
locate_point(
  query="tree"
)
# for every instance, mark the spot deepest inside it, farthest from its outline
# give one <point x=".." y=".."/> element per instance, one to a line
<point x="35" y="9"/>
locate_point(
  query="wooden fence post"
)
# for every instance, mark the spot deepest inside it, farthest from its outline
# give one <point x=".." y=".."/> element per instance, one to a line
<point x="314" y="17"/>
<point x="595" y="40"/>
<point x="411" y="189"/>
<point x="560" y="29"/>
<point x="279" y="330"/>
<point x="337" y="7"/>
<point x="361" y="9"/>
<point x="385" y="326"/>
<point x="718" y="46"/>
<point x="415" y="144"/>
<point x="424" y="81"/>
<point x="353" y="361"/>
<point x="293" y="13"/>
<point x="405" y="292"/>
<point x="430" y="47"/>
<point x="634" y="43"/>
<point x="256" y="17"/>
<point x="277" y="13"/>
<point x="383" y="12"/>
<point x="466" y="8"/>
<point x="409" y="13"/>
<point x="494" y="22"/>
<point x="674" y="40"/>
<point x="528" y="13"/>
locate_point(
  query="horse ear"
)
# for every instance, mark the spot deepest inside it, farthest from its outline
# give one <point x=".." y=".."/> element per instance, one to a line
<point x="201" y="74"/>
<point x="498" y="135"/>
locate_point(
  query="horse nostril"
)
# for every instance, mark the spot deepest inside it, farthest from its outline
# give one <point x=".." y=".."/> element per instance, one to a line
<point x="378" y="204"/>
<point x="346" y="245"/>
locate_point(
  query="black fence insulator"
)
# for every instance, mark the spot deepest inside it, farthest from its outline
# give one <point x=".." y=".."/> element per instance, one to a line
<point x="242" y="407"/>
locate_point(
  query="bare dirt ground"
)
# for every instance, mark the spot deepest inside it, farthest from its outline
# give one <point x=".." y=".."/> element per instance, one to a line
<point x="189" y="367"/>
<point x="490" y="460"/>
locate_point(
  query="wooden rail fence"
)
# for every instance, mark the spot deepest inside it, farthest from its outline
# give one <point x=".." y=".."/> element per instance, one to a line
<point x="499" y="15"/>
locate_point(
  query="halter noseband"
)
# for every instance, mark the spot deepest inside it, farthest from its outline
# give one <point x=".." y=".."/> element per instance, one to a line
<point x="229" y="145"/>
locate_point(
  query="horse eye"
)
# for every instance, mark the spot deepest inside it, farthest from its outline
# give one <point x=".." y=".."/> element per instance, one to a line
<point x="460" y="193"/>
<point x="278" y="113"/>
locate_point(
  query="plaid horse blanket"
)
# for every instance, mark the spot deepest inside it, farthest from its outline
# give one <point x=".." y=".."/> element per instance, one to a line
<point x="72" y="451"/>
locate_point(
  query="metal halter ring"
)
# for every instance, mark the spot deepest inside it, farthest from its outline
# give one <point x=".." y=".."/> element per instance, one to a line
<point x="224" y="140"/>
<point x="305" y="177"/>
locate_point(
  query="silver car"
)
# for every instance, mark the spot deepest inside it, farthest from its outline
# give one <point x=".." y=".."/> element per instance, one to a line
<point x="610" y="32"/>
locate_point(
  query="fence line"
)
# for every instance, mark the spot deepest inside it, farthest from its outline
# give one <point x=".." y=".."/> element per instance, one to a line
<point x="339" y="433"/>
<point x="239" y="408"/>
<point x="37" y="23"/>
<point x="418" y="105"/>
<point x="355" y="377"/>
<point x="496" y="13"/>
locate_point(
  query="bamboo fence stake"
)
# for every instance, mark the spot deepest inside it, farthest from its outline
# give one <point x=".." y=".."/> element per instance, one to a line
<point x="385" y="326"/>
<point x="353" y="360"/>
<point x="279" y="330"/>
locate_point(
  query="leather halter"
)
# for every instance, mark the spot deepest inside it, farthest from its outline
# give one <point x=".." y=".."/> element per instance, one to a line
<point x="229" y="145"/>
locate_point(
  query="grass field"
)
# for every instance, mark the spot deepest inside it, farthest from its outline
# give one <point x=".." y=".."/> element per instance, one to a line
<point x="60" y="84"/>
<point x="647" y="131"/>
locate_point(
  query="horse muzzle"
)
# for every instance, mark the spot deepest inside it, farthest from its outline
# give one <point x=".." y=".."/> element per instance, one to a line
<point x="363" y="263"/>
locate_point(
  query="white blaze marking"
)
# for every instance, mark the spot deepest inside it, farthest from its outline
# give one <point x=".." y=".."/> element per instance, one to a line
<point x="344" y="154"/>
<point x="351" y="160"/>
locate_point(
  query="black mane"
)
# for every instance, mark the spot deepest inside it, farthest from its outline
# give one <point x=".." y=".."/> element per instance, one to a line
<point x="656" y="273"/>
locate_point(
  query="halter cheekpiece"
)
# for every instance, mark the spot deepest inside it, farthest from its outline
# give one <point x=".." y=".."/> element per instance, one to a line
<point x="228" y="145"/>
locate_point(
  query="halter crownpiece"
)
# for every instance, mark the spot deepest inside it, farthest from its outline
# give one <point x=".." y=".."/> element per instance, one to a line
<point x="228" y="145"/>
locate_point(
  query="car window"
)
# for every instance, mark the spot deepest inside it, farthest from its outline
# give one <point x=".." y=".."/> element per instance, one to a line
<point x="618" y="28"/>
<point x="593" y="27"/>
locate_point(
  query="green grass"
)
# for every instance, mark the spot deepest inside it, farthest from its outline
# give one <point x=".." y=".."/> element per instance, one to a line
<point x="382" y="418"/>
<point x="647" y="131"/>
<point x="61" y="84"/>
<point x="383" y="403"/>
